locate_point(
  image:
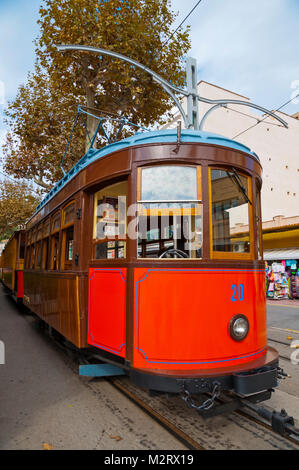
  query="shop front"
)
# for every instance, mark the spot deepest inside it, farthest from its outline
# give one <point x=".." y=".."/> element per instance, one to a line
<point x="282" y="273"/>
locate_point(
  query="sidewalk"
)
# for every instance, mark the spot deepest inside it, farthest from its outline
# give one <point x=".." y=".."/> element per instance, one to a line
<point x="286" y="302"/>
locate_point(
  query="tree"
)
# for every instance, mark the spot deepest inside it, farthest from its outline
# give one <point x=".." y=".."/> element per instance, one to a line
<point x="17" y="204"/>
<point x="40" y="121"/>
<point x="135" y="28"/>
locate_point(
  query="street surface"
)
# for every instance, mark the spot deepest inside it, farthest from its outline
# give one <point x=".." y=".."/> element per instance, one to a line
<point x="45" y="404"/>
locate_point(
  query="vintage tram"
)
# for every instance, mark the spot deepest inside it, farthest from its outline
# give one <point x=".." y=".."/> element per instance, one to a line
<point x="148" y="254"/>
<point x="12" y="265"/>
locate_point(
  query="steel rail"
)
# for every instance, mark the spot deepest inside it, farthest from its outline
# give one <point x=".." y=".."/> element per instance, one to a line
<point x="180" y="435"/>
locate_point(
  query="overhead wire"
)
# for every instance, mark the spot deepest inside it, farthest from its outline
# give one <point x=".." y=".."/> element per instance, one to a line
<point x="181" y="24"/>
<point x="267" y="115"/>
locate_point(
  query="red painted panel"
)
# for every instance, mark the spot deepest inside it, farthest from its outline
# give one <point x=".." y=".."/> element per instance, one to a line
<point x="107" y="309"/>
<point x="182" y="317"/>
<point x="20" y="291"/>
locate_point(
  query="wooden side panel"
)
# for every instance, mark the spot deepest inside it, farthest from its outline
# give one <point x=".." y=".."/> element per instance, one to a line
<point x="107" y="309"/>
<point x="55" y="298"/>
<point x="182" y="317"/>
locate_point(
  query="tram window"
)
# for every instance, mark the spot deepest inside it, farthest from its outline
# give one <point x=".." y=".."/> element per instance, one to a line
<point x="46" y="228"/>
<point x="55" y="252"/>
<point x="56" y="222"/>
<point x="32" y="259"/>
<point x="170" y="212"/>
<point x="68" y="248"/>
<point x="45" y="264"/>
<point x="230" y="205"/>
<point x="68" y="214"/>
<point x="110" y="222"/>
<point x="38" y="261"/>
<point x="110" y="250"/>
<point x="27" y="264"/>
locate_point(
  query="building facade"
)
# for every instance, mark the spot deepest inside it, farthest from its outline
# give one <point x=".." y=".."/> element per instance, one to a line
<point x="278" y="150"/>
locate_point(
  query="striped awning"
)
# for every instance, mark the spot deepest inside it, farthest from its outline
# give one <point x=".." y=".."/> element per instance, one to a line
<point x="279" y="254"/>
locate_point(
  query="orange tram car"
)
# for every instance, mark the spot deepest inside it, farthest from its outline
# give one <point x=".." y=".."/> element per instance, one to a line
<point x="148" y="254"/>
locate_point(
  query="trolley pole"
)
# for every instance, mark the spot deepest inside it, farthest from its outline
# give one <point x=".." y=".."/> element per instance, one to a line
<point x="192" y="99"/>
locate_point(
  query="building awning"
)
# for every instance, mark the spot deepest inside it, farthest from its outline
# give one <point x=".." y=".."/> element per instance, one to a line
<point x="281" y="254"/>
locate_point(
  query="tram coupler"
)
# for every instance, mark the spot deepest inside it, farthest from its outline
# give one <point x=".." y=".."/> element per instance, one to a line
<point x="281" y="423"/>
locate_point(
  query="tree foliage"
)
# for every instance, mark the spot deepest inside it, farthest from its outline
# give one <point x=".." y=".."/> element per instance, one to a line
<point x="40" y="122"/>
<point x="17" y="204"/>
<point x="42" y="114"/>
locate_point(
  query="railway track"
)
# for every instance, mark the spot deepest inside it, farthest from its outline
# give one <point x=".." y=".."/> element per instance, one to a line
<point x="182" y="435"/>
<point x="187" y="426"/>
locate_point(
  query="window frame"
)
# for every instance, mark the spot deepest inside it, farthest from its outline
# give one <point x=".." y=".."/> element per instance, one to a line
<point x="197" y="211"/>
<point x="224" y="255"/>
<point x="113" y="239"/>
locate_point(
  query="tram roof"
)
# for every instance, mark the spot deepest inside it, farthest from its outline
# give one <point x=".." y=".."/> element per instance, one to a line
<point x="144" y="138"/>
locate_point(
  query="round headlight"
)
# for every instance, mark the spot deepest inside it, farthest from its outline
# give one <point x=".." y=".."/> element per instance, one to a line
<point x="239" y="327"/>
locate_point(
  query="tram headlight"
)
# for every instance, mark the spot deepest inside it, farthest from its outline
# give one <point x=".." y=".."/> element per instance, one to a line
<point x="239" y="327"/>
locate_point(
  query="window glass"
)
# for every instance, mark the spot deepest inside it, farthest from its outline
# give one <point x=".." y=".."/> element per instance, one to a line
<point x="110" y="222"/>
<point x="171" y="225"/>
<point x="46" y="229"/>
<point x="55" y="252"/>
<point x="110" y="212"/>
<point x="33" y="238"/>
<point x="32" y="256"/>
<point x="56" y="222"/>
<point x="230" y="211"/>
<point x="110" y="250"/>
<point x="45" y="263"/>
<point x="69" y="214"/>
<point x="38" y="255"/>
<point x="39" y="233"/>
<point x="29" y="236"/>
<point x="69" y="244"/>
<point x="169" y="183"/>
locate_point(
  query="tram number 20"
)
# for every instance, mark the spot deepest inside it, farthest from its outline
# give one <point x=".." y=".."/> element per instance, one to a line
<point x="238" y="293"/>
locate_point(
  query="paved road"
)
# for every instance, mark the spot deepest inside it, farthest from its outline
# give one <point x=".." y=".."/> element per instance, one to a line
<point x="281" y="315"/>
<point x="43" y="401"/>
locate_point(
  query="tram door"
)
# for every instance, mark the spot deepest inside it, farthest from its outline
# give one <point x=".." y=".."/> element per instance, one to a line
<point x="108" y="274"/>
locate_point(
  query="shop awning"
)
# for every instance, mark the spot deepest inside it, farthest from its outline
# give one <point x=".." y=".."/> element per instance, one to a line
<point x="281" y="254"/>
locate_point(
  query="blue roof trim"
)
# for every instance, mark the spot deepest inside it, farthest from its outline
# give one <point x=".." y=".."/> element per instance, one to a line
<point x="143" y="138"/>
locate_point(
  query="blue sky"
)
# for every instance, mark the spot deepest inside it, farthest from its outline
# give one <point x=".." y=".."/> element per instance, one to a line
<point x="250" y="47"/>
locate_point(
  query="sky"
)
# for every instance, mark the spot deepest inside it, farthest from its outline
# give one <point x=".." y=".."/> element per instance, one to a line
<point x="249" y="47"/>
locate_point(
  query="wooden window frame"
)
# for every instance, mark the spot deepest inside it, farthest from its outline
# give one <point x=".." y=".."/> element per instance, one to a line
<point x="38" y="249"/>
<point x="47" y="225"/>
<point x="53" y="218"/>
<point x="66" y="265"/>
<point x="46" y="253"/>
<point x="224" y="255"/>
<point x="199" y="210"/>
<point x="52" y="244"/>
<point x="64" y="225"/>
<point x="116" y="238"/>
